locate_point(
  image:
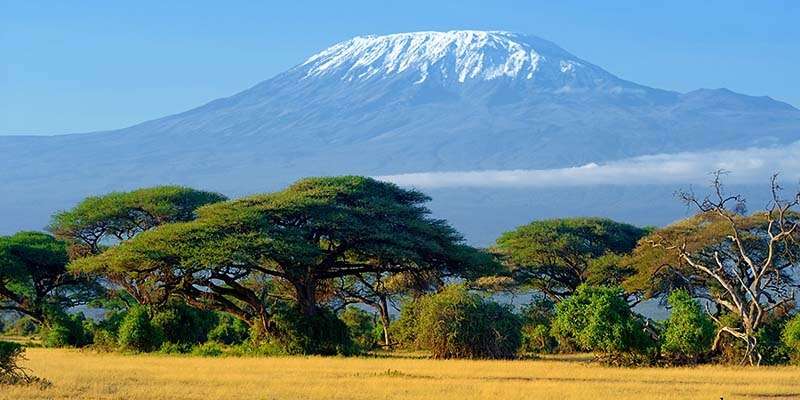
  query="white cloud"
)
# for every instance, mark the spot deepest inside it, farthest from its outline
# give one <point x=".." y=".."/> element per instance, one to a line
<point x="753" y="165"/>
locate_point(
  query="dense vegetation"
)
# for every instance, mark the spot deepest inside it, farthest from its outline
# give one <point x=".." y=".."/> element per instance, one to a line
<point x="347" y="265"/>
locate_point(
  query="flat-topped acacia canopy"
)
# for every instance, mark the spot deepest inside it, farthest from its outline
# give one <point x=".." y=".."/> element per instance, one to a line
<point x="313" y="231"/>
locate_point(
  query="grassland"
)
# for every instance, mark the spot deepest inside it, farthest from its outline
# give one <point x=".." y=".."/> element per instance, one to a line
<point x="86" y="375"/>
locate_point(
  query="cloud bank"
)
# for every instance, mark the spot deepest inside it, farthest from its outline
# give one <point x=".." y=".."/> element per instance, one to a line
<point x="752" y="165"/>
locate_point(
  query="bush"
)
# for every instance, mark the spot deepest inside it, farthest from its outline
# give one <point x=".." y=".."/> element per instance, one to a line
<point x="598" y="319"/>
<point x="209" y="349"/>
<point x="67" y="331"/>
<point x="791" y="338"/>
<point x="361" y="325"/>
<point x="769" y="341"/>
<point x="404" y="329"/>
<point x="536" y="323"/>
<point x="137" y="332"/>
<point x="456" y="323"/>
<point x="10" y="371"/>
<point x="182" y="324"/>
<point x="689" y="331"/>
<point x="229" y="330"/>
<point x="322" y="334"/>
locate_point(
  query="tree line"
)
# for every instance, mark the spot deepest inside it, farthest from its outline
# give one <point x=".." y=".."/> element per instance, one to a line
<point x="345" y="265"/>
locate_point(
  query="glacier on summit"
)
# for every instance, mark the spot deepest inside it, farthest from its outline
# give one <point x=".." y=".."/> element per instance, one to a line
<point x="459" y="56"/>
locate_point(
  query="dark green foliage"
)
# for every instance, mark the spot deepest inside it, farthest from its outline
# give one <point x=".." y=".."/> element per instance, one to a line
<point x="182" y="324"/>
<point x="34" y="278"/>
<point x="689" y="331"/>
<point x="556" y="256"/>
<point x="791" y="338"/>
<point x="361" y="325"/>
<point x="323" y="333"/>
<point x="229" y="330"/>
<point x="598" y="319"/>
<point x="137" y="332"/>
<point x="456" y="323"/>
<point x="67" y="330"/>
<point x="537" y="318"/>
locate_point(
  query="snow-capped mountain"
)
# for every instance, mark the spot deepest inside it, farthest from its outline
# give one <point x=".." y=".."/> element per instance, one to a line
<point x="402" y="103"/>
<point x="455" y="57"/>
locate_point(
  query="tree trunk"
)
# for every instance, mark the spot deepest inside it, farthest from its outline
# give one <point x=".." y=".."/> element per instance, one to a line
<point x="307" y="298"/>
<point x="385" y="321"/>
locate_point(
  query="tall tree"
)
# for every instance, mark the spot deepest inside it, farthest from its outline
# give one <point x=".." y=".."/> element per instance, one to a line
<point x="743" y="264"/>
<point x="556" y="256"/>
<point x="34" y="280"/>
<point x="302" y="238"/>
<point x="102" y="221"/>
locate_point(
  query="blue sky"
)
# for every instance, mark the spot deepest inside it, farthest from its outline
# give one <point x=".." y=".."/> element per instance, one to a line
<point x="95" y="65"/>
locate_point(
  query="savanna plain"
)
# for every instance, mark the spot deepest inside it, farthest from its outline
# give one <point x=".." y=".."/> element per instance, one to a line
<point x="81" y="374"/>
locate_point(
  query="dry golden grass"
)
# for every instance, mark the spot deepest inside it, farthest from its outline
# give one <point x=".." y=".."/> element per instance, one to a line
<point x="85" y="375"/>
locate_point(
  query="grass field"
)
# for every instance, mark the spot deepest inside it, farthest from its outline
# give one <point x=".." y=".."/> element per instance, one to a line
<point x="86" y="375"/>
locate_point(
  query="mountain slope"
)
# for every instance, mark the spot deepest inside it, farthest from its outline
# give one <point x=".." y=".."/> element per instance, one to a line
<point x="376" y="105"/>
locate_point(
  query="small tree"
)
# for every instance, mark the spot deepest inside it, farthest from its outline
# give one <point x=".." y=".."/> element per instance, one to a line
<point x="455" y="323"/>
<point x="599" y="319"/>
<point x="689" y="332"/>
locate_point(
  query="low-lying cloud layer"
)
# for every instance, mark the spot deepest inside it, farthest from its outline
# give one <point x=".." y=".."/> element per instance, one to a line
<point x="753" y="165"/>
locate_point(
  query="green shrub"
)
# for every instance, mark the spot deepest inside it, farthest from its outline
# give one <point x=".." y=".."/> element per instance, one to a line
<point x="180" y="323"/>
<point x="361" y="325"/>
<point x="598" y="319"/>
<point x="229" y="330"/>
<point x="791" y="338"/>
<point x="137" y="332"/>
<point x="209" y="349"/>
<point x="456" y="323"/>
<point x="769" y="341"/>
<point x="536" y="324"/>
<point x="322" y="334"/>
<point x="689" y="331"/>
<point x="67" y="331"/>
<point x="404" y="329"/>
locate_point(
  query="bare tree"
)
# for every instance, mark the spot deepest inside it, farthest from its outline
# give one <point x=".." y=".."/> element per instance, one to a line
<point x="747" y="267"/>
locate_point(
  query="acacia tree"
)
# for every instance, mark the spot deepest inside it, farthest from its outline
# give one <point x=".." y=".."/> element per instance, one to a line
<point x="34" y="280"/>
<point x="558" y="255"/>
<point x="102" y="221"/>
<point x="236" y="253"/>
<point x="741" y="263"/>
